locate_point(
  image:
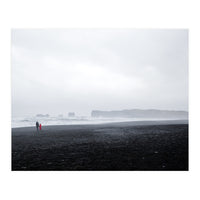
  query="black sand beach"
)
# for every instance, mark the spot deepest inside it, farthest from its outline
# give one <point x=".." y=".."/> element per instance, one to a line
<point x="149" y="145"/>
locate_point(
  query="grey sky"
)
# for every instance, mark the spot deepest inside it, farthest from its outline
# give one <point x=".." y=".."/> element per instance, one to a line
<point x="61" y="70"/>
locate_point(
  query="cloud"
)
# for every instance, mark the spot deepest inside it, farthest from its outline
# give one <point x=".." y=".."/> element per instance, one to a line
<point x="61" y="70"/>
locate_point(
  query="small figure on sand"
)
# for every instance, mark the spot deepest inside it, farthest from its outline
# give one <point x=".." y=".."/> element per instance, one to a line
<point x="37" y="125"/>
<point x="40" y="127"/>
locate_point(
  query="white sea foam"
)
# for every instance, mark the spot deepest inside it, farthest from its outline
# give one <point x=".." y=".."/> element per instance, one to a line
<point x="28" y="121"/>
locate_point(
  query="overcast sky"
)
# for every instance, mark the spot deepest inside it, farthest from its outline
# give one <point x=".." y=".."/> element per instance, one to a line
<point x="56" y="71"/>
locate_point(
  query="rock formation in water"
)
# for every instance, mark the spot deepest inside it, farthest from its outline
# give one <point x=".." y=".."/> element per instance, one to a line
<point x="41" y="115"/>
<point x="71" y="114"/>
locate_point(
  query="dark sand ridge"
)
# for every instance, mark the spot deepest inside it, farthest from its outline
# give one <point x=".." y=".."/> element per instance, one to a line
<point x="147" y="145"/>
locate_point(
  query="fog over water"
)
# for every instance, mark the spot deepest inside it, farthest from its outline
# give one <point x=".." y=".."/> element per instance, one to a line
<point x="57" y="71"/>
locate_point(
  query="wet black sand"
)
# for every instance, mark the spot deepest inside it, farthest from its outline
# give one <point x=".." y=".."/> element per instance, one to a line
<point x="118" y="146"/>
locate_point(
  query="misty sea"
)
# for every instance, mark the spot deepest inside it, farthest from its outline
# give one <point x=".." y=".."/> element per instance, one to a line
<point x="28" y="121"/>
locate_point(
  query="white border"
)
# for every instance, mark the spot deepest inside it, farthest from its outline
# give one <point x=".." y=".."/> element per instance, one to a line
<point x="99" y="14"/>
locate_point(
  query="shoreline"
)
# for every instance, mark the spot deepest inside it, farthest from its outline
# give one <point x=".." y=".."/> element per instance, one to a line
<point x="136" y="123"/>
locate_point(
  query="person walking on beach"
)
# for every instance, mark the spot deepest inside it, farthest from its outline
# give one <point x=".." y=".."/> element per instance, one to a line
<point x="40" y="127"/>
<point x="37" y="125"/>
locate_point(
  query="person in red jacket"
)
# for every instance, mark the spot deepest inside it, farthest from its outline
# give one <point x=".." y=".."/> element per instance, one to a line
<point x="40" y="127"/>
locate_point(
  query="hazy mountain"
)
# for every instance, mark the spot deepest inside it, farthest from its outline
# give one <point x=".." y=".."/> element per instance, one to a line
<point x="138" y="113"/>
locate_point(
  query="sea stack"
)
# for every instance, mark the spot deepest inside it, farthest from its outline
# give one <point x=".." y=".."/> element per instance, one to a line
<point x="71" y="114"/>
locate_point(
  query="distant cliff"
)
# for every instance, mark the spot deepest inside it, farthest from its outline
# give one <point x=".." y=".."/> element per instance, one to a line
<point x="138" y="113"/>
